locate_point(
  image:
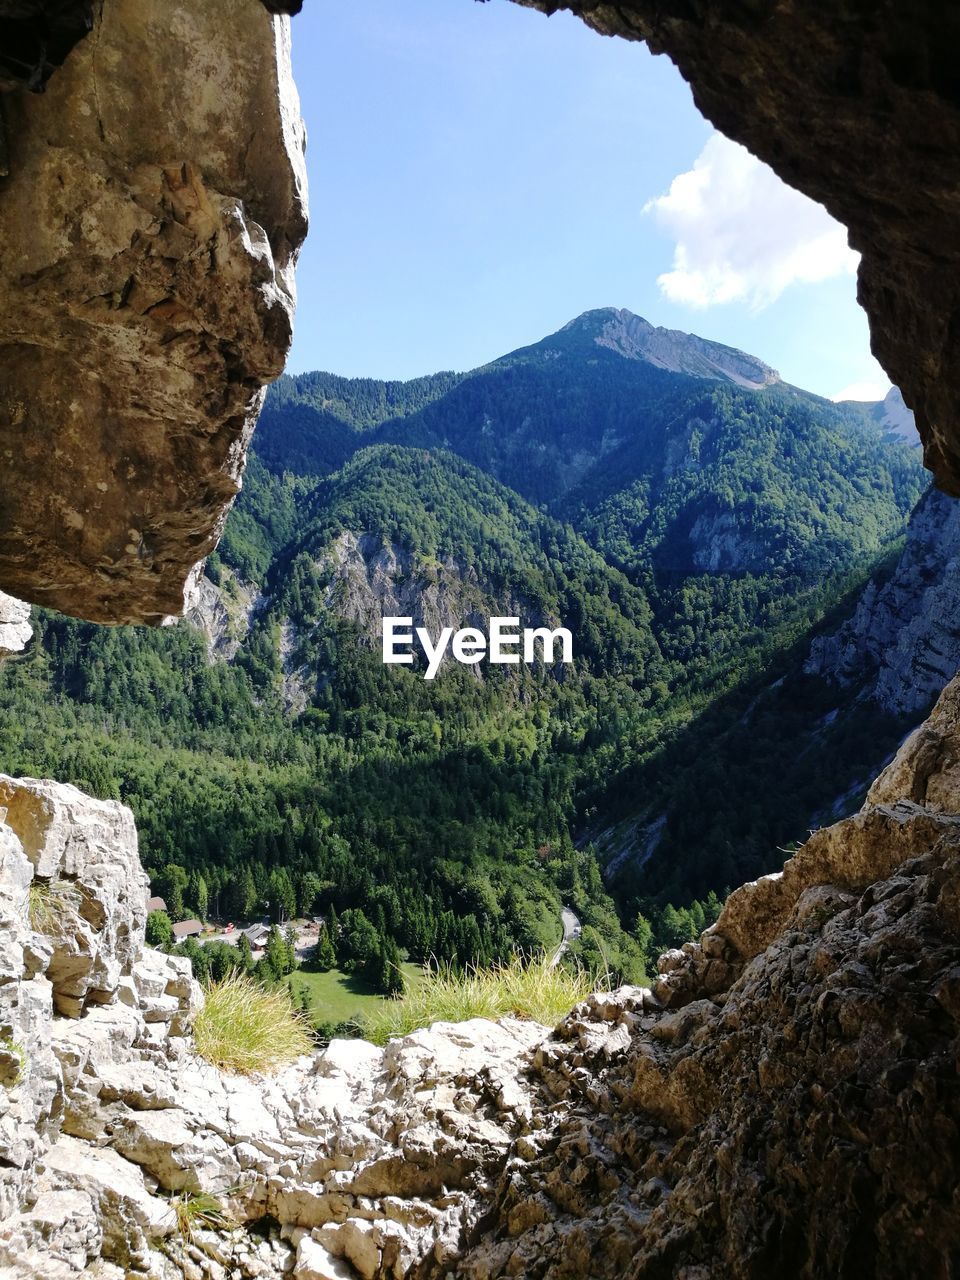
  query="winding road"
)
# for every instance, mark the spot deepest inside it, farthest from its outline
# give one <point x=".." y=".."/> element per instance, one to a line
<point x="571" y="930"/>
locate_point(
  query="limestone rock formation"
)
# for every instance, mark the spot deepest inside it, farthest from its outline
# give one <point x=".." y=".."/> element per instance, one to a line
<point x="149" y="228"/>
<point x="856" y="105"/>
<point x="794" y="1110"/>
<point x="15" y="629"/>
<point x="37" y="35"/>
<point x="77" y="988"/>
<point x="893" y="415"/>
<point x="223" y="612"/>
<point x="635" y="338"/>
<point x="783" y="1101"/>
<point x="903" y="641"/>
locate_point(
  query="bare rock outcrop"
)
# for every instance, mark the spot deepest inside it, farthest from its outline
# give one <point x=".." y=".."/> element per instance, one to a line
<point x="73" y="973"/>
<point x="902" y="643"/>
<point x="223" y="612"/>
<point x="36" y="36"/>
<point x="793" y="1109"/>
<point x="149" y="227"/>
<point x="856" y="105"/>
<point x="15" y="629"/>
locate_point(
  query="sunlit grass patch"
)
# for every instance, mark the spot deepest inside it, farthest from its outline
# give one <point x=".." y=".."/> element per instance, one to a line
<point x="524" y="988"/>
<point x="243" y="1028"/>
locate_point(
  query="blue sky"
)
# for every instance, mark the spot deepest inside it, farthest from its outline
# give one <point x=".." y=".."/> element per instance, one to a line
<point x="480" y="174"/>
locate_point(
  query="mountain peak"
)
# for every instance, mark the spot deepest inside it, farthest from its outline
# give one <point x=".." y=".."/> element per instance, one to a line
<point x="634" y="338"/>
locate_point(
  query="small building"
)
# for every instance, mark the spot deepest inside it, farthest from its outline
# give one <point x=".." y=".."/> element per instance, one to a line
<point x="257" y="935"/>
<point x="187" y="929"/>
<point x="156" y="904"/>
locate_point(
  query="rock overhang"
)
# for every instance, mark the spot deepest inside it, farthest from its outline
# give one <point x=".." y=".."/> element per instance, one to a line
<point x="150" y="221"/>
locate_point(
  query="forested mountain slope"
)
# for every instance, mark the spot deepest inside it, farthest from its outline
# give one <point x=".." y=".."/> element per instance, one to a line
<point x="688" y="516"/>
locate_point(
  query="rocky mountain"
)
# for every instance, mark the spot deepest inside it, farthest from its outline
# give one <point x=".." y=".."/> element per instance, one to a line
<point x="893" y="415"/>
<point x="634" y="338"/>
<point x="703" y="528"/>
<point x="448" y="544"/>
<point x="903" y="641"/>
<point x="606" y="401"/>
<point x="783" y="1100"/>
<point x="822" y="723"/>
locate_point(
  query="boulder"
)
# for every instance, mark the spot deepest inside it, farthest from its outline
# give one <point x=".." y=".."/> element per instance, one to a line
<point x="90" y="889"/>
<point x="15" y="629"/>
<point x="149" y="225"/>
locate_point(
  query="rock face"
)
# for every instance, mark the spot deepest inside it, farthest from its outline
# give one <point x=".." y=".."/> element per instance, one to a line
<point x="37" y="35"/>
<point x="637" y="339"/>
<point x="793" y="1110"/>
<point x="149" y="228"/>
<point x="370" y="580"/>
<point x="857" y="107"/>
<point x="893" y="414"/>
<point x="903" y="641"/>
<point x="15" y="629"/>
<point x="223" y="612"/>
<point x="77" y="990"/>
<point x="783" y="1101"/>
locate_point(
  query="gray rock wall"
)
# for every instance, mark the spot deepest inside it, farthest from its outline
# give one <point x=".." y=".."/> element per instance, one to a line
<point x="903" y="641"/>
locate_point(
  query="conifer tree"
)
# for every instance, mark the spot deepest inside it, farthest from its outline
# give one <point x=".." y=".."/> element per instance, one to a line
<point x="326" y="955"/>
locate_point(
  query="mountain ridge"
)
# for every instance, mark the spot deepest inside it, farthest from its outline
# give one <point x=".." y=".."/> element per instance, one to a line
<point x="635" y="338"/>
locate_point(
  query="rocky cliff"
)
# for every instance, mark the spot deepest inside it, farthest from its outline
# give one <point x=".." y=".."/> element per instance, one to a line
<point x="903" y="641"/>
<point x="150" y="220"/>
<point x="783" y="1101"/>
<point x="15" y="628"/>
<point x="635" y="338"/>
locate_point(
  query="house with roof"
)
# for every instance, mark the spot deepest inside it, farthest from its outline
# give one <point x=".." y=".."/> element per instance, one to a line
<point x="187" y="929"/>
<point x="156" y="904"/>
<point x="257" y="935"/>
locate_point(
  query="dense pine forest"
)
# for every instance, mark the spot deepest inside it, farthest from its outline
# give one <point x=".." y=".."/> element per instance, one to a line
<point x="691" y="531"/>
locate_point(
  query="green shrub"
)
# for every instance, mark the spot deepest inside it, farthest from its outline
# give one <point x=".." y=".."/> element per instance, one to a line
<point x="243" y="1028"/>
<point x="199" y="1211"/>
<point x="534" y="989"/>
<point x="159" y="930"/>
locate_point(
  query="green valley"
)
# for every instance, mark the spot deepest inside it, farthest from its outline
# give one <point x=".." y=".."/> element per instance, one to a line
<point x="690" y="518"/>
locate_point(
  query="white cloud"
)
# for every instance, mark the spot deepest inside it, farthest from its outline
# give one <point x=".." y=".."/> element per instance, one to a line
<point x="869" y="381"/>
<point x="871" y="389"/>
<point x="741" y="234"/>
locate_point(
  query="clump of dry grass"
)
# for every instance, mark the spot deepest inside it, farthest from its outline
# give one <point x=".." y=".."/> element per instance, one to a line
<point x="524" y="988"/>
<point x="244" y="1028"/>
<point x="54" y="907"/>
<point x="199" y="1211"/>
